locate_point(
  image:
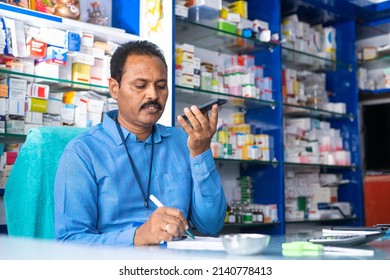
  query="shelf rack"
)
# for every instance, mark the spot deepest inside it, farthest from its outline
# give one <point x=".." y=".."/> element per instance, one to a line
<point x="209" y="37"/>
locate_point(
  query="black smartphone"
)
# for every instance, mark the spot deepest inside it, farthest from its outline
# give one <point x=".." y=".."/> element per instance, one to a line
<point x="207" y="106"/>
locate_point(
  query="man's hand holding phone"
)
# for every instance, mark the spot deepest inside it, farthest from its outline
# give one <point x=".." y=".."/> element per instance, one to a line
<point x="199" y="126"/>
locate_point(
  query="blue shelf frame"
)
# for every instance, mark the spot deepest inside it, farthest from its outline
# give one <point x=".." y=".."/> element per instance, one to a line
<point x="344" y="85"/>
<point x="127" y="15"/>
<point x="268" y="181"/>
<point x="27" y="12"/>
<point x="372" y="14"/>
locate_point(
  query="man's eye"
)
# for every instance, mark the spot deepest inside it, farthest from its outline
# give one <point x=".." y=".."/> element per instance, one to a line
<point x="140" y="86"/>
<point x="162" y="86"/>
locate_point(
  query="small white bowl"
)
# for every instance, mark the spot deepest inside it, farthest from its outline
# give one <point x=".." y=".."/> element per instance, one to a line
<point x="245" y="243"/>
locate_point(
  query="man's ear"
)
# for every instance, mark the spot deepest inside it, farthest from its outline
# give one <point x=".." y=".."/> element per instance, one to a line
<point x="113" y="86"/>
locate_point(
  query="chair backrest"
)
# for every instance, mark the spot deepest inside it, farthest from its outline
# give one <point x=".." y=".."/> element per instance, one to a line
<point x="29" y="198"/>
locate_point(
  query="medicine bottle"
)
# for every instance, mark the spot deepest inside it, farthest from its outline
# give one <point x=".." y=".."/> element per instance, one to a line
<point x="232" y="215"/>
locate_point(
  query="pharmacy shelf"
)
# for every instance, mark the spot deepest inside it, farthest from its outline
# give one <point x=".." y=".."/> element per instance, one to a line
<point x="378" y="62"/>
<point x="199" y="96"/>
<point x="310" y="62"/>
<point x="38" y="19"/>
<point x="56" y="85"/>
<point x="211" y="38"/>
<point x="8" y="138"/>
<point x="323" y="167"/>
<point x="262" y="115"/>
<point x="10" y="135"/>
<point x="365" y="32"/>
<point x="122" y="17"/>
<point x="341" y="82"/>
<point x="297" y="111"/>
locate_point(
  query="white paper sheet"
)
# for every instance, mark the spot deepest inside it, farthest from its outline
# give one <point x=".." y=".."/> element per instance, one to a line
<point x="199" y="243"/>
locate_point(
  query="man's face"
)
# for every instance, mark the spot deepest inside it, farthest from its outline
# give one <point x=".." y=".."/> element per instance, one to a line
<point x="143" y="91"/>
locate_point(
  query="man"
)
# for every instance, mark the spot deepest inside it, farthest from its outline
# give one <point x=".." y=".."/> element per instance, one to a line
<point x="106" y="175"/>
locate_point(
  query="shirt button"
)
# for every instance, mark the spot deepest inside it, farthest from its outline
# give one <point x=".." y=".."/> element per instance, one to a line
<point x="197" y="165"/>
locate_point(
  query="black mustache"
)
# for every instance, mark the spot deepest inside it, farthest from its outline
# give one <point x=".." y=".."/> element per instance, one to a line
<point x="152" y="103"/>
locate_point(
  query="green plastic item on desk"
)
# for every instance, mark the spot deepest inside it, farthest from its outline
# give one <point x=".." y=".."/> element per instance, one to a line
<point x="301" y="248"/>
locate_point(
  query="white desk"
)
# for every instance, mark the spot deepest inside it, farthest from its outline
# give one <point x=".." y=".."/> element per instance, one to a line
<point x="12" y="248"/>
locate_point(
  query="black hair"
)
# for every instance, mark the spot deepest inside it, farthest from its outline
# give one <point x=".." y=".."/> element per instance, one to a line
<point x="138" y="47"/>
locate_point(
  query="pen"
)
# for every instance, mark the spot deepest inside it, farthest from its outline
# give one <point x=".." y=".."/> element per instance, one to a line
<point x="159" y="204"/>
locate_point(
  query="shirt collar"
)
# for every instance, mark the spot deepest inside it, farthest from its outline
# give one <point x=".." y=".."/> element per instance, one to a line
<point x="109" y="125"/>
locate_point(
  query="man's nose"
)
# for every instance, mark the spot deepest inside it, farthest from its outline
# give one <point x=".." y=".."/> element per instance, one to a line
<point x="152" y="93"/>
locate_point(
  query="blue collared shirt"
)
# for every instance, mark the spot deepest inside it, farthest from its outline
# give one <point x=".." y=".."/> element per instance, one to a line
<point x="97" y="198"/>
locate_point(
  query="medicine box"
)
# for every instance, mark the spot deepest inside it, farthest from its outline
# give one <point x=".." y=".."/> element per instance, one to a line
<point x="14" y="126"/>
<point x="239" y="7"/>
<point x="19" y="84"/>
<point x="81" y="73"/>
<point x="181" y="11"/>
<point x="16" y="106"/>
<point x="37" y="105"/>
<point x="36" y="49"/>
<point x="72" y="41"/>
<point x="227" y="26"/>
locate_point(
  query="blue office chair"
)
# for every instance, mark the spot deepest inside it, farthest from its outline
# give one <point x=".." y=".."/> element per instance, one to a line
<point x="29" y="198"/>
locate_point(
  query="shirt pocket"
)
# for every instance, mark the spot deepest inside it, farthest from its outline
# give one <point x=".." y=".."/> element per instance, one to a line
<point x="175" y="190"/>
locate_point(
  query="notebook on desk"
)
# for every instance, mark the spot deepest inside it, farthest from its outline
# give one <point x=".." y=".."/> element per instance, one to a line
<point x="199" y="243"/>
